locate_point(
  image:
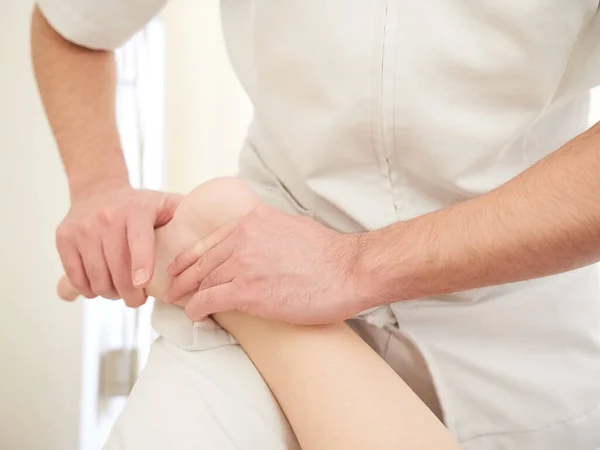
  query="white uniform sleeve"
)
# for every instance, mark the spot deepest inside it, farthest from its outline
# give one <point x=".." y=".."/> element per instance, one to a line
<point x="99" y="24"/>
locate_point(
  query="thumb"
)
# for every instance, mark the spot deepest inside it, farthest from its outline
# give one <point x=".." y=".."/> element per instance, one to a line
<point x="213" y="300"/>
<point x="166" y="208"/>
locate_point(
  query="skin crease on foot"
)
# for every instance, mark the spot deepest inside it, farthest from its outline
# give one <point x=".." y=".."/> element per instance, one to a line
<point x="201" y="213"/>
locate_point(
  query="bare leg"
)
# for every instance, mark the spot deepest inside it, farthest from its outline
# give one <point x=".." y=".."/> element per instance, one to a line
<point x="335" y="391"/>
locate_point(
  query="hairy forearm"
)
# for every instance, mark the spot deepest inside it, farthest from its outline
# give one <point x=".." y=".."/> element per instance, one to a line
<point x="77" y="87"/>
<point x="543" y="222"/>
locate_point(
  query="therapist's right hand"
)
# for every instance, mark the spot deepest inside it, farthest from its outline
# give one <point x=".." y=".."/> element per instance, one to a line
<point x="106" y="241"/>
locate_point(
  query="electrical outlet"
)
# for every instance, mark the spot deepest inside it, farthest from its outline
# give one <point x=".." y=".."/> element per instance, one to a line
<point x="118" y="372"/>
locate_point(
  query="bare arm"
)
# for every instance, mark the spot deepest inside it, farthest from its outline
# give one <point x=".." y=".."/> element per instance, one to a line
<point x="336" y="392"/>
<point x="545" y="221"/>
<point x="106" y="241"/>
<point x="77" y="86"/>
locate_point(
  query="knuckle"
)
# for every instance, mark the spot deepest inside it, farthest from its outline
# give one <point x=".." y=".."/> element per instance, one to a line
<point x="64" y="232"/>
<point x="207" y="282"/>
<point x="61" y="230"/>
<point x="107" y="216"/>
<point x="246" y="301"/>
<point x="246" y="307"/>
<point x="60" y="237"/>
<point x="85" y="227"/>
<point x="200" y="263"/>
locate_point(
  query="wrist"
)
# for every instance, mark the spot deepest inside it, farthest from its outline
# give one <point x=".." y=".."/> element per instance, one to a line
<point x="81" y="186"/>
<point x="98" y="168"/>
<point x="370" y="272"/>
<point x="392" y="263"/>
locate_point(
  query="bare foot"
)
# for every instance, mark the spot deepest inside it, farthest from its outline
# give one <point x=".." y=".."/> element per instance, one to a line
<point x="204" y="210"/>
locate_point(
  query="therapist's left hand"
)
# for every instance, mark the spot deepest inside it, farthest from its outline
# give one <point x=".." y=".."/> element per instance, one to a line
<point x="274" y="265"/>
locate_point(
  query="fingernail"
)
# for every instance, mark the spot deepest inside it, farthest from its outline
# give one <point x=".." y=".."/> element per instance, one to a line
<point x="140" y="276"/>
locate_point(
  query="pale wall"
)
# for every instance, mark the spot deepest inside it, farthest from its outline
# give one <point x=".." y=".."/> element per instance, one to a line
<point x="207" y="112"/>
<point x="40" y="337"/>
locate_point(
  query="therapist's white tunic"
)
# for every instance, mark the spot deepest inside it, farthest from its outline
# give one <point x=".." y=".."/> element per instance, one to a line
<point x="372" y="111"/>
